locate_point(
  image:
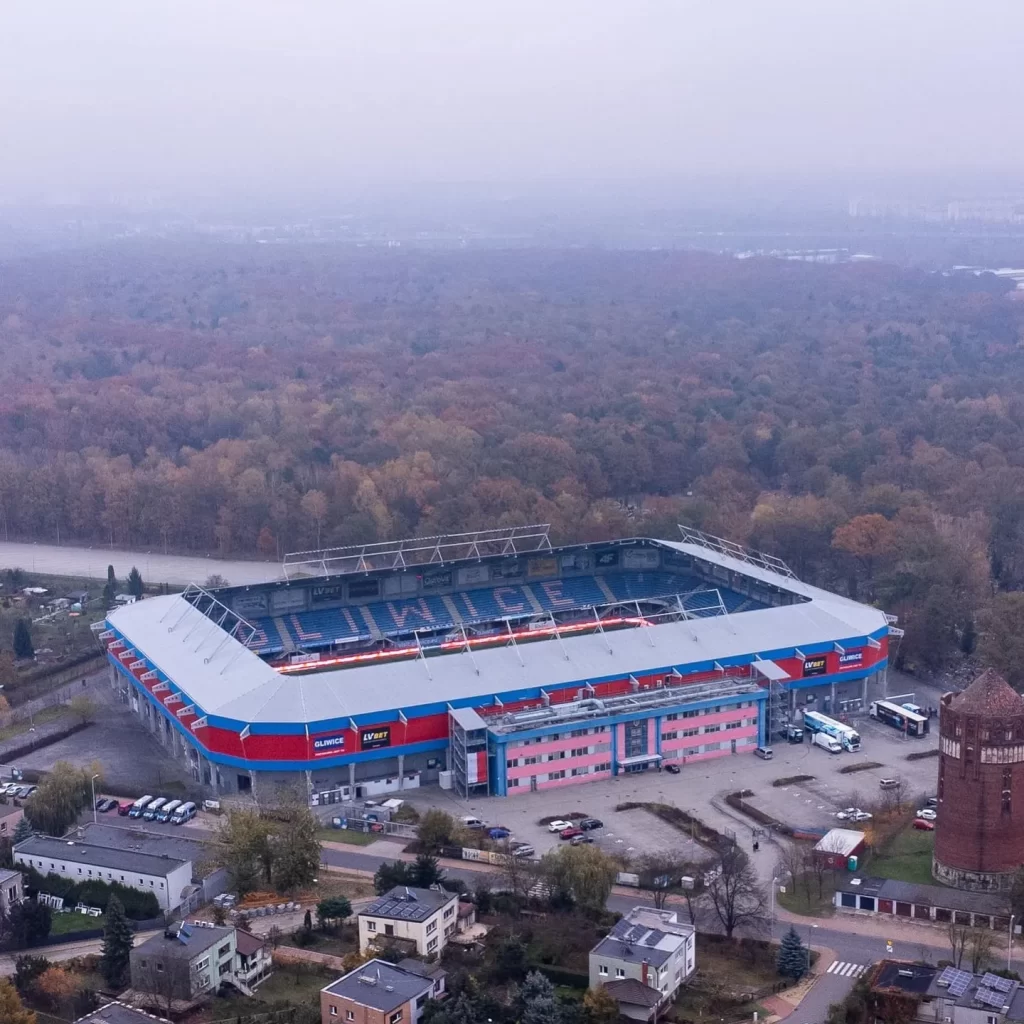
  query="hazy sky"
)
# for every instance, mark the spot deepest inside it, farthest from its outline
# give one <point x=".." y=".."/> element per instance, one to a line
<point x="297" y="93"/>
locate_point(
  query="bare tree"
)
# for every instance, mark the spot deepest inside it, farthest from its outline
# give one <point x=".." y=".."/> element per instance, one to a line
<point x="979" y="947"/>
<point x="518" y="874"/>
<point x="659" y="876"/>
<point x="736" y="894"/>
<point x="958" y="935"/>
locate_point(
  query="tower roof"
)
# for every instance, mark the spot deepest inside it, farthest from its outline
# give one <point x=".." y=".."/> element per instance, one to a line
<point x="990" y="694"/>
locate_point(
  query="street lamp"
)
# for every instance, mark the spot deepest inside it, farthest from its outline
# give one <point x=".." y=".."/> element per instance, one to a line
<point x="92" y="783"/>
<point x="772" y="926"/>
<point x="1009" y="944"/>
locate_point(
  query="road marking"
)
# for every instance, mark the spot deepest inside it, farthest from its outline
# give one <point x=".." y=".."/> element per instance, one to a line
<point x="844" y="969"/>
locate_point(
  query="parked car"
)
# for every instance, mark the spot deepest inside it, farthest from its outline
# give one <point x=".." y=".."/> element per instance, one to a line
<point x="765" y="753"/>
<point x="522" y="850"/>
<point x="927" y="813"/>
<point x="558" y="825"/>
<point x="571" y="832"/>
<point x="888" y="783"/>
<point x="499" y="832"/>
<point x="578" y="840"/>
<point x="672" y="769"/>
<point x="105" y="804"/>
<point x="124" y="808"/>
<point x="846" y="813"/>
<point x="591" y="823"/>
<point x="924" y="826"/>
<point x="469" y="821"/>
<point x="932" y="801"/>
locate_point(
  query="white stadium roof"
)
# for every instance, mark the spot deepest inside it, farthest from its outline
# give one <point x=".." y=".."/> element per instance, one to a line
<point x="227" y="680"/>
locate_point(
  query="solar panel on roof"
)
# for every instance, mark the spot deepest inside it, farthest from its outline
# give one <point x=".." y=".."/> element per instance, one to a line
<point x="947" y="976"/>
<point x="989" y="997"/>
<point x="958" y="986"/>
<point x="996" y="982"/>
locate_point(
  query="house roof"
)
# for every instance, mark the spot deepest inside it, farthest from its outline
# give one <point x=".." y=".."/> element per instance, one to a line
<point x="173" y="948"/>
<point x="420" y="968"/>
<point x="379" y="985"/>
<point x="97" y="856"/>
<point x="629" y="990"/>
<point x="911" y="978"/>
<point x="840" y="841"/>
<point x="405" y="903"/>
<point x="6" y="876"/>
<point x="120" y="1013"/>
<point x="246" y="943"/>
<point x="926" y="895"/>
<point x="642" y="936"/>
<point x="990" y="695"/>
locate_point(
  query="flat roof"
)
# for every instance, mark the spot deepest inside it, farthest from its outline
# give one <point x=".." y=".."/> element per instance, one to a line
<point x="228" y="681"/>
<point x="120" y="1013"/>
<point x="97" y="856"/>
<point x="380" y="985"/>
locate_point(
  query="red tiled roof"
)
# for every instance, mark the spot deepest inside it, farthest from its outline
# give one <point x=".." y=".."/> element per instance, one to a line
<point x="989" y="694"/>
<point x="246" y="943"/>
<point x="634" y="992"/>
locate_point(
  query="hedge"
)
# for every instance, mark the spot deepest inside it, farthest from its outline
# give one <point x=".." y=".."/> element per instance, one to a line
<point x="737" y="801"/>
<point x="561" y="976"/>
<point x="138" y="905"/>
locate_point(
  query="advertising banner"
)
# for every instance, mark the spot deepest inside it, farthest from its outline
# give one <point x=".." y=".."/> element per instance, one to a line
<point x="816" y="666"/>
<point x="474" y="574"/>
<point x="325" y="592"/>
<point x="374" y="737"/>
<point x="851" y="659"/>
<point x="287" y="601"/>
<point x="328" y="746"/>
<point x="363" y="588"/>
<point x="604" y="559"/>
<point x="641" y="558"/>
<point x="250" y="604"/>
<point x="437" y="579"/>
<point x="542" y="567"/>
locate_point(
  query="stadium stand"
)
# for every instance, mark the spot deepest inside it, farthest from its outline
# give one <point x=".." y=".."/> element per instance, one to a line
<point x="316" y="630"/>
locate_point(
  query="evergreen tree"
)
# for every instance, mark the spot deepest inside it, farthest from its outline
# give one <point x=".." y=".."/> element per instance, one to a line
<point x="135" y="584"/>
<point x="425" y="871"/>
<point x="23" y="640"/>
<point x="111" y="577"/>
<point x="23" y="830"/>
<point x="387" y="876"/>
<point x="117" y="945"/>
<point x="537" y="998"/>
<point x="792" y="961"/>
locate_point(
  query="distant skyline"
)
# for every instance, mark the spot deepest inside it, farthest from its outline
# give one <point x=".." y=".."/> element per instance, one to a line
<point x="269" y="98"/>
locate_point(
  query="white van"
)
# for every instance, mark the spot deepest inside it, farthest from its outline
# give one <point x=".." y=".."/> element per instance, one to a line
<point x="186" y="812"/>
<point x="154" y="808"/>
<point x="139" y="806"/>
<point x="165" y="812"/>
<point x="826" y="742"/>
<point x="470" y="822"/>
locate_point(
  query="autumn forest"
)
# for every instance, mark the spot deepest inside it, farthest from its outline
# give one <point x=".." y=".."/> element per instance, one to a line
<point x="863" y="422"/>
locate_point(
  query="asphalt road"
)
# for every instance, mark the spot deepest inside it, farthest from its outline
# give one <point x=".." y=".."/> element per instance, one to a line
<point x="68" y="951"/>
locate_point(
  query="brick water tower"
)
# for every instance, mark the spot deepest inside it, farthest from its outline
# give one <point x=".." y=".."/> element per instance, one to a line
<point x="979" y="835"/>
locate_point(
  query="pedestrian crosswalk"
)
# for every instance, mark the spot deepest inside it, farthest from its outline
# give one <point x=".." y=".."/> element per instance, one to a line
<point x="842" y="969"/>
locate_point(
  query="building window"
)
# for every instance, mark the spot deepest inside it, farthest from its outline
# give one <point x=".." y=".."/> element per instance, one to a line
<point x="691" y="714"/>
<point x="512" y="783"/>
<point x="619" y="972"/>
<point x="691" y="732"/>
<point x="670" y="735"/>
<point x="350" y="1015"/>
<point x="674" y="717"/>
<point x="531" y="760"/>
<point x="556" y="775"/>
<point x="224" y="950"/>
<point x="712" y="728"/>
<point x="1007" y="791"/>
<point x="512" y="762"/>
<point x="395" y="1017"/>
<point x="580" y="751"/>
<point x="603" y="970"/>
<point x="371" y="926"/>
<point x="333" y="1011"/>
<point x="431" y="927"/>
<point x="557" y="755"/>
<point x="448" y="913"/>
<point x="431" y="945"/>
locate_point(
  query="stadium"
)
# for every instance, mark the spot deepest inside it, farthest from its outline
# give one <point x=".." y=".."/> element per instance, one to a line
<point x="491" y="662"/>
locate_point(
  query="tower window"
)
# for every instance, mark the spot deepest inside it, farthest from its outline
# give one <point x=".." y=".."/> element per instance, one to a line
<point x="1007" y="791"/>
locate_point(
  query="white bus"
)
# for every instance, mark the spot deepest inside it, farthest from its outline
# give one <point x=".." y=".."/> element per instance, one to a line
<point x="899" y="717"/>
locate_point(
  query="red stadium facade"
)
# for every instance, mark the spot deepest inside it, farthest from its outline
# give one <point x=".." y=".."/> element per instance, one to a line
<point x="395" y="665"/>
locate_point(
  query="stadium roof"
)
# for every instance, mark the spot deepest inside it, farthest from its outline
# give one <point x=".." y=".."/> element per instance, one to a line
<point x="228" y="681"/>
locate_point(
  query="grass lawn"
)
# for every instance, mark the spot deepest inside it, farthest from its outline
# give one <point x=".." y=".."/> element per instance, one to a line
<point x="907" y="858"/>
<point x="43" y="717"/>
<point x="797" y="901"/>
<point x="287" y="985"/>
<point x="347" y="836"/>
<point x="62" y="924"/>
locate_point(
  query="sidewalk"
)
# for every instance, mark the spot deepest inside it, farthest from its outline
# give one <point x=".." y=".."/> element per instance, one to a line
<point x="787" y="1002"/>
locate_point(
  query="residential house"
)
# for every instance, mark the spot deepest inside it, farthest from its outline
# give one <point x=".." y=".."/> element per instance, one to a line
<point x="166" y="877"/>
<point x="120" y="1013"/>
<point x="423" y="919"/>
<point x="252" y="958"/>
<point x="643" y="960"/>
<point x="178" y="968"/>
<point x="947" y="995"/>
<point x="381" y="993"/>
<point x="12" y="890"/>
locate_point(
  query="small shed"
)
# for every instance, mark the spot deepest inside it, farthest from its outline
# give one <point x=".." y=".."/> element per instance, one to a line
<point x="837" y="846"/>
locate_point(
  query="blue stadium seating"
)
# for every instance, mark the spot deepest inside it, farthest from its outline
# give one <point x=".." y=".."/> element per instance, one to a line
<point x="314" y="630"/>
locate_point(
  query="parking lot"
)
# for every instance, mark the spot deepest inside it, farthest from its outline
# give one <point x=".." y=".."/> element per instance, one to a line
<point x="702" y="788"/>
